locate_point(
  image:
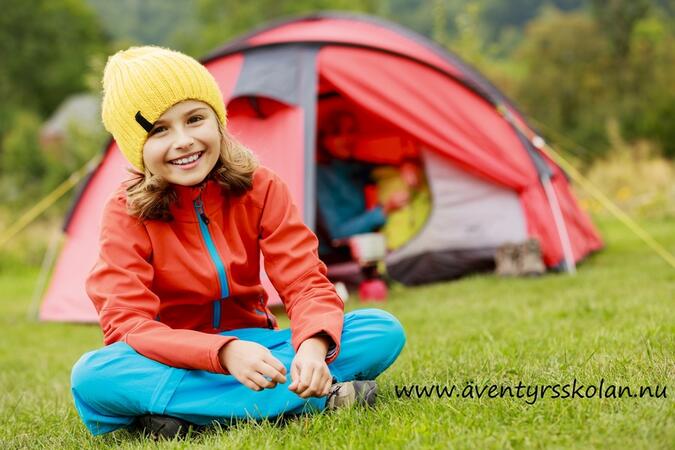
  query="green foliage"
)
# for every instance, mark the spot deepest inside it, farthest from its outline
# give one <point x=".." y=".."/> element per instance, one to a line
<point x="634" y="176"/>
<point x="647" y="97"/>
<point x="502" y="17"/>
<point x="221" y="20"/>
<point x="31" y="169"/>
<point x="582" y="71"/>
<point x="566" y="65"/>
<point x="21" y="162"/>
<point x="45" y="47"/>
<point x="617" y="19"/>
<point x="151" y="22"/>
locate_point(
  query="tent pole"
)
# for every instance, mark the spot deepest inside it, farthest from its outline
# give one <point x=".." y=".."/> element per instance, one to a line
<point x="570" y="265"/>
<point x="47" y="264"/>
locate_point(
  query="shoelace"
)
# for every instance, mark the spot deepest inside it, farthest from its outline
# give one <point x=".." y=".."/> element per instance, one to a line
<point x="333" y="392"/>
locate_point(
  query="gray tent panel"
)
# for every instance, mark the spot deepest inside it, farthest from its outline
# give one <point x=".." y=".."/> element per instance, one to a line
<point x="470" y="218"/>
<point x="287" y="73"/>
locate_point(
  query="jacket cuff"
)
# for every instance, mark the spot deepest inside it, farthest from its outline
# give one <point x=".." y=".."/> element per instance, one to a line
<point x="333" y="348"/>
<point x="332" y="353"/>
<point x="216" y="366"/>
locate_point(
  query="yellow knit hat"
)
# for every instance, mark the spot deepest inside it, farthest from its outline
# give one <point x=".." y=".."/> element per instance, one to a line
<point x="141" y="83"/>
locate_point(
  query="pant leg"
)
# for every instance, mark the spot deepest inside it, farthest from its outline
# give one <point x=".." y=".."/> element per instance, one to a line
<point x="371" y="341"/>
<point x="114" y="384"/>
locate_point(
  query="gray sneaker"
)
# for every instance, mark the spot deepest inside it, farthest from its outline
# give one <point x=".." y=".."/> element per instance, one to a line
<point x="341" y="395"/>
<point x="529" y="258"/>
<point x="506" y="260"/>
<point x="158" y="427"/>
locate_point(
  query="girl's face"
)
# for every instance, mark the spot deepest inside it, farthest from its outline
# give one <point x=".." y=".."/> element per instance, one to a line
<point x="184" y="143"/>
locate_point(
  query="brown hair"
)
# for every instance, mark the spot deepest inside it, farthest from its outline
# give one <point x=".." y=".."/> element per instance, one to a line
<point x="149" y="196"/>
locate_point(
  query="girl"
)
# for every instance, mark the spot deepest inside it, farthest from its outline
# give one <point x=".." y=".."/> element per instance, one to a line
<point x="189" y="338"/>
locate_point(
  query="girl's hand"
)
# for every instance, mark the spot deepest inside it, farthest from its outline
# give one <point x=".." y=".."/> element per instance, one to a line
<point x="309" y="371"/>
<point x="252" y="365"/>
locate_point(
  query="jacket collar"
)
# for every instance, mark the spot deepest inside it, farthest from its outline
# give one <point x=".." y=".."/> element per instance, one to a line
<point x="183" y="209"/>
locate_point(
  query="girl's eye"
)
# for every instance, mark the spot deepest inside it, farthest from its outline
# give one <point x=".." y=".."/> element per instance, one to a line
<point x="196" y="118"/>
<point x="156" y="130"/>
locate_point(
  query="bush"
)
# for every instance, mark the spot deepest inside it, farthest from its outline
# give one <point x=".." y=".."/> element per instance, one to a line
<point x="635" y="176"/>
<point x="22" y="163"/>
<point x="565" y="56"/>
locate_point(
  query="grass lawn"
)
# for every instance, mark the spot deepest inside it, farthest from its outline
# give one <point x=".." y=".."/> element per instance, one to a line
<point x="614" y="321"/>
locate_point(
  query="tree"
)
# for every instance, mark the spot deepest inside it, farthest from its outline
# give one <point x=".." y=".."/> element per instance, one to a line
<point x="45" y="48"/>
<point x="221" y="20"/>
<point x="149" y="22"/>
<point x="566" y="60"/>
<point x="617" y="19"/>
<point x="508" y="17"/>
<point x="21" y="162"/>
<point x="648" y="100"/>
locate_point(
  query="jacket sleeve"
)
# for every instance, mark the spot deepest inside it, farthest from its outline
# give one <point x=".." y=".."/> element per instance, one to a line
<point x="120" y="287"/>
<point x="294" y="268"/>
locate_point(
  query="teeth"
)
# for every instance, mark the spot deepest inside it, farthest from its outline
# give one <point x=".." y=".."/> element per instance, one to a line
<point x="188" y="160"/>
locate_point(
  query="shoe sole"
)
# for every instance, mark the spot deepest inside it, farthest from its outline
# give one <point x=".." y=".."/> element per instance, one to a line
<point x="162" y="428"/>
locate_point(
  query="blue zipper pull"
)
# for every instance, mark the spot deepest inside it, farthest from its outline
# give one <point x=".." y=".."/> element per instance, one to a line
<point x="200" y="209"/>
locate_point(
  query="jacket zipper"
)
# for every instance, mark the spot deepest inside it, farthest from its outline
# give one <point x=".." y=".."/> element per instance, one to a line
<point x="270" y="325"/>
<point x="215" y="257"/>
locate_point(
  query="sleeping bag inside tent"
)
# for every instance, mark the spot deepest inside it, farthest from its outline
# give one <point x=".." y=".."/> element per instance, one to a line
<point x="483" y="182"/>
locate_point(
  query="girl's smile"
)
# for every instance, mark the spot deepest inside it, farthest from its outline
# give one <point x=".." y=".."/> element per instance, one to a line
<point x="184" y="143"/>
<point x="187" y="162"/>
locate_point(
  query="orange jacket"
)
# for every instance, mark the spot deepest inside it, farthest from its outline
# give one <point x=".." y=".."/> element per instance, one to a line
<point x="168" y="288"/>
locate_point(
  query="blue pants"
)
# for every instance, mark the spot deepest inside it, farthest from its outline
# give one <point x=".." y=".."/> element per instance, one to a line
<point x="114" y="384"/>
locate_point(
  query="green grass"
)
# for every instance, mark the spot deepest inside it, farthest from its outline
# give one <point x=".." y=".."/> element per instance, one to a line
<point x="614" y="321"/>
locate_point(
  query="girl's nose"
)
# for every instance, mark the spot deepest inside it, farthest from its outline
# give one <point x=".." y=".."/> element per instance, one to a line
<point x="183" y="141"/>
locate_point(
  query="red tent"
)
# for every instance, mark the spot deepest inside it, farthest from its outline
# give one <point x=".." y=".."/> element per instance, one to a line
<point x="489" y="183"/>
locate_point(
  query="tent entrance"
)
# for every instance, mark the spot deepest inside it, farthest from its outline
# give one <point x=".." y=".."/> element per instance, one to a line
<point x="365" y="166"/>
<point x="453" y="224"/>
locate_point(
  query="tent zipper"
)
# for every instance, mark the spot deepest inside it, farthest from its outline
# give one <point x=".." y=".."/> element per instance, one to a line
<point x="204" y="221"/>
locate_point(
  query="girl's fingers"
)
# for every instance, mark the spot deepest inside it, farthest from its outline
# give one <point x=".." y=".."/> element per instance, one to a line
<point x="327" y="386"/>
<point x="260" y="381"/>
<point x="316" y="383"/>
<point x="325" y="383"/>
<point x="320" y="383"/>
<point x="271" y="372"/>
<point x="274" y="362"/>
<point x="305" y="380"/>
<point x="250" y="384"/>
<point x="295" y="377"/>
